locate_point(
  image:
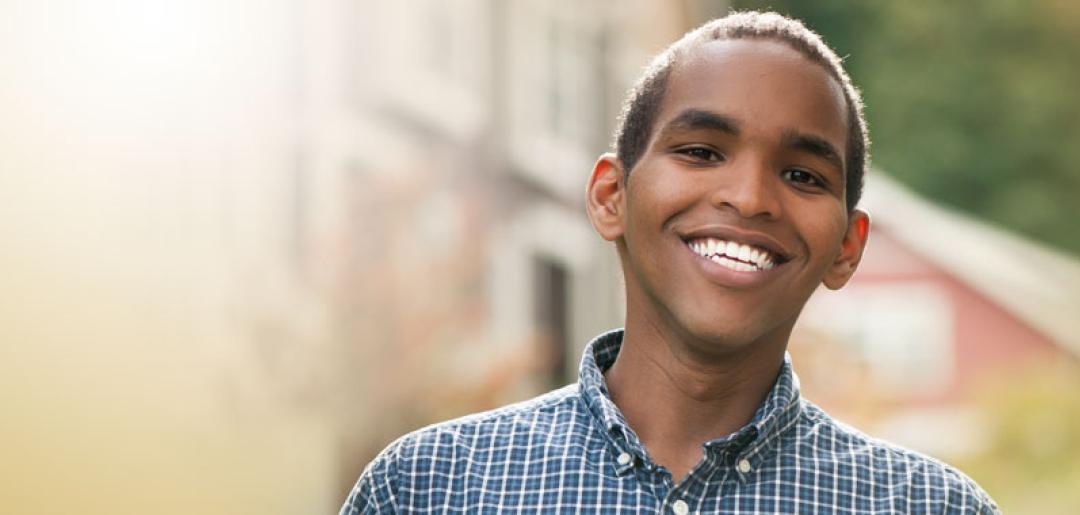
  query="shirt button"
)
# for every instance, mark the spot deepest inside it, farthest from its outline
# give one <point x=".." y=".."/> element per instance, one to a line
<point x="744" y="466"/>
<point x="680" y="507"/>
<point x="623" y="459"/>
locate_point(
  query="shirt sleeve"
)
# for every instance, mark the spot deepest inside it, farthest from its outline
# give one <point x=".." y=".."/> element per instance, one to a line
<point x="375" y="492"/>
<point x="987" y="506"/>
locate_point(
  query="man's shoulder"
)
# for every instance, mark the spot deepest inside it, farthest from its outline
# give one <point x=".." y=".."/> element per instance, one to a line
<point x="427" y="466"/>
<point x="426" y="462"/>
<point x="513" y="420"/>
<point x="832" y="436"/>
<point x="919" y="477"/>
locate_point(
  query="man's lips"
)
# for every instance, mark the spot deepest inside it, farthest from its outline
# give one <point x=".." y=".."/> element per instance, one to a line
<point x="740" y="257"/>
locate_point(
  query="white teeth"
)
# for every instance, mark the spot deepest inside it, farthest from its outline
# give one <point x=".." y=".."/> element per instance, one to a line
<point x="761" y="259"/>
<point x="735" y="256"/>
<point x="731" y="264"/>
<point x="732" y="249"/>
<point x="744" y="253"/>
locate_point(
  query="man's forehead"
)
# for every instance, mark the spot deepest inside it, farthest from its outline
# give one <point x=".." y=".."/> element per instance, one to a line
<point x="755" y="58"/>
<point x="740" y="73"/>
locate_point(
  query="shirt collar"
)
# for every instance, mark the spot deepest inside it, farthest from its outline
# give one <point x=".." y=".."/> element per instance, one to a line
<point x="777" y="414"/>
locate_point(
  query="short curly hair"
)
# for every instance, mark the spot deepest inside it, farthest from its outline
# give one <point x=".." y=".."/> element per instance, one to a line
<point x="643" y="101"/>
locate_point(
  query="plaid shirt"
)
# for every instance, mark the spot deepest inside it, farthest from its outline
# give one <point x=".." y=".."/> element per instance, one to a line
<point x="571" y="451"/>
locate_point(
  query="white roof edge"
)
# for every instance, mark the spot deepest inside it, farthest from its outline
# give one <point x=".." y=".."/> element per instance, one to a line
<point x="1039" y="285"/>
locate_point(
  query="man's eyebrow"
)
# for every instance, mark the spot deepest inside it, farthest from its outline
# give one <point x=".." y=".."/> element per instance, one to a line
<point x="814" y="145"/>
<point x="697" y="119"/>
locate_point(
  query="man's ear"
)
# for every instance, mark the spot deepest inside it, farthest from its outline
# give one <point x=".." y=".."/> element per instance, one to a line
<point x="851" y="251"/>
<point x="605" y="197"/>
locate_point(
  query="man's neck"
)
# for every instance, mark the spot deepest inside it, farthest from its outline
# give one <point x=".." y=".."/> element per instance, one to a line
<point x="675" y="400"/>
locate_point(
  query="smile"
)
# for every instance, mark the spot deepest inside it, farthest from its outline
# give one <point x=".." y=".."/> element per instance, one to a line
<point x="733" y="255"/>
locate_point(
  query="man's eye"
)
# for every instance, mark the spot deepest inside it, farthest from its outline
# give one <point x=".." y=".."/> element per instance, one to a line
<point x="801" y="177"/>
<point x="700" y="154"/>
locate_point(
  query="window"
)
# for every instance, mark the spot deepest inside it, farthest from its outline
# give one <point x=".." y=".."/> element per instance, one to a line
<point x="554" y="76"/>
<point x="432" y="63"/>
<point x="901" y="332"/>
<point x="550" y="292"/>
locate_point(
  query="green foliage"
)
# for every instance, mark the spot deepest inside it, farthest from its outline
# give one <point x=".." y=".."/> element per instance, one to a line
<point x="973" y="104"/>
<point x="1031" y="463"/>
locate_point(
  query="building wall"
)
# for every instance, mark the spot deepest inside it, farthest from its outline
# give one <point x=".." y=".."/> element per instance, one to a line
<point x="449" y="146"/>
<point x="146" y="157"/>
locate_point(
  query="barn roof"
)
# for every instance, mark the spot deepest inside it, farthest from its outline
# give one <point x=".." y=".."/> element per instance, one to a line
<point x="1036" y="283"/>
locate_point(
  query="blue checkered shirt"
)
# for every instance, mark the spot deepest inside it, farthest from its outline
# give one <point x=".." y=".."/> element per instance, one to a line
<point x="571" y="451"/>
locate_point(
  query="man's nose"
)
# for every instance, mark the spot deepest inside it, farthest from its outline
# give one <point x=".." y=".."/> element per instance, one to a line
<point x="749" y="188"/>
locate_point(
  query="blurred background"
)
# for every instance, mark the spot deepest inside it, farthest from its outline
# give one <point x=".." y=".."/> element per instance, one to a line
<point x="247" y="243"/>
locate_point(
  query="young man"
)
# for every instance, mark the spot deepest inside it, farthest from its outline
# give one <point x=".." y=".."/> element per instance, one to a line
<point x="730" y="198"/>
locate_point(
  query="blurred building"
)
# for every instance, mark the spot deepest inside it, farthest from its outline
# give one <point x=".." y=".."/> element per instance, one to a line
<point x="439" y="219"/>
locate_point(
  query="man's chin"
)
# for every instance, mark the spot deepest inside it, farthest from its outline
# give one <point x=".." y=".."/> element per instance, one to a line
<point x="720" y="340"/>
<point x="730" y="335"/>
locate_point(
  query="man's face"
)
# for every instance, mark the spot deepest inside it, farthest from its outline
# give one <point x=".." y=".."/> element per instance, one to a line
<point x="735" y="212"/>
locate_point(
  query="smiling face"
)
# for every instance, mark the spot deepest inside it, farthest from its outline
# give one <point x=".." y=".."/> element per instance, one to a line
<point x="736" y="211"/>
